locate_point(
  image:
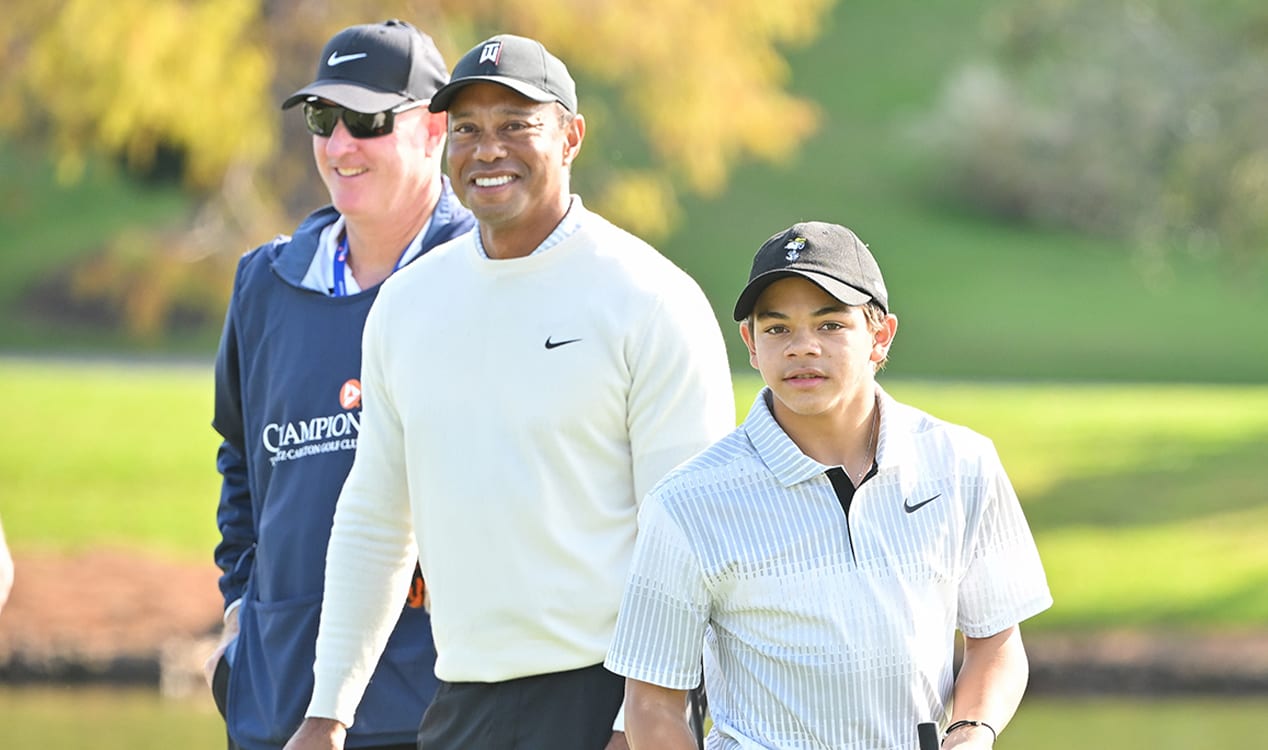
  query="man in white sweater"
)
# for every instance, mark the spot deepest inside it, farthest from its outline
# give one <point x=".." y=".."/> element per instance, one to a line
<point x="523" y="387"/>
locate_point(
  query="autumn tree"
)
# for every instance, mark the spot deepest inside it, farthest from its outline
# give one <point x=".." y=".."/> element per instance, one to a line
<point x="677" y="93"/>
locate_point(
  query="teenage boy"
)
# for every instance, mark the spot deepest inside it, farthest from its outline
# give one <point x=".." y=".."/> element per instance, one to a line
<point x="823" y="554"/>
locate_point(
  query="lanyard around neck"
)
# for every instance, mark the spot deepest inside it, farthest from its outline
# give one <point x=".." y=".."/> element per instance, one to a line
<point x="340" y="266"/>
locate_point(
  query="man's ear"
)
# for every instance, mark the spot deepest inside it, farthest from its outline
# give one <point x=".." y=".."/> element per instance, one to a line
<point x="574" y="134"/>
<point x="437" y="129"/>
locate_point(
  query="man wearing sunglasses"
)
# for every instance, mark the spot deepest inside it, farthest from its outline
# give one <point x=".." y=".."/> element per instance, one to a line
<point x="288" y="400"/>
<point x="526" y="384"/>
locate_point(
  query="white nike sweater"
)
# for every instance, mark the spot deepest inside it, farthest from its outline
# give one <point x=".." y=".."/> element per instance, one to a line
<point x="515" y="412"/>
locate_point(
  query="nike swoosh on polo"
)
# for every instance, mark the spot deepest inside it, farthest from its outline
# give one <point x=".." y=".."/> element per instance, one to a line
<point x="907" y="506"/>
<point x="553" y="344"/>
<point x="337" y="59"/>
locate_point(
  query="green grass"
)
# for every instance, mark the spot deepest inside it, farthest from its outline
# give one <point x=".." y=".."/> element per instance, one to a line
<point x="37" y="718"/>
<point x="1146" y="500"/>
<point x="119" y="455"/>
<point x="1045" y="723"/>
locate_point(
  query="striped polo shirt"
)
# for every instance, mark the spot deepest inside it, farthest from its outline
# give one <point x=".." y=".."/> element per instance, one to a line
<point x="825" y="622"/>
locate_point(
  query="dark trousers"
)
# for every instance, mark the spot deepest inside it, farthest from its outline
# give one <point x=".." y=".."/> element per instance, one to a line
<point x="220" y="692"/>
<point x="571" y="710"/>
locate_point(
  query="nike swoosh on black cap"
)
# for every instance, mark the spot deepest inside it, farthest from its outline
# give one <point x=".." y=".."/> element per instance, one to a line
<point x="376" y="67"/>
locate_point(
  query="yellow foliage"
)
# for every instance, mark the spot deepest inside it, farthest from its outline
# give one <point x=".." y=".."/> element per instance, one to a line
<point x="690" y="89"/>
<point x="642" y="202"/>
<point x="129" y="76"/>
<point x="703" y="78"/>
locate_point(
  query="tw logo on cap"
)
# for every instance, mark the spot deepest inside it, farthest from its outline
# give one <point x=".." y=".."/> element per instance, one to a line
<point x="491" y="52"/>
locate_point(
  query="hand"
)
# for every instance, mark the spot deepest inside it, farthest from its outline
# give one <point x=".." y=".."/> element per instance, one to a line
<point x="617" y="742"/>
<point x="318" y="734"/>
<point x="970" y="738"/>
<point x="226" y="637"/>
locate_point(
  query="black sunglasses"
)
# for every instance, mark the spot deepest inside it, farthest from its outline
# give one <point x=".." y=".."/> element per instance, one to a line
<point x="321" y="119"/>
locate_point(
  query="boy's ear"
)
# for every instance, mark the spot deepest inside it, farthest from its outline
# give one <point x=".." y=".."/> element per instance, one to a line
<point x="884" y="338"/>
<point x="746" y="333"/>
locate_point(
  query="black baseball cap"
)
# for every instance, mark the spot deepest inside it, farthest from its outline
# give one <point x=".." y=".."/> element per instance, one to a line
<point x="827" y="254"/>
<point x="523" y="65"/>
<point x="376" y="67"/>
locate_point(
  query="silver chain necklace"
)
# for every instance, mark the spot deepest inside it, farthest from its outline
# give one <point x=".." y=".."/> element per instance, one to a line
<point x="871" y="449"/>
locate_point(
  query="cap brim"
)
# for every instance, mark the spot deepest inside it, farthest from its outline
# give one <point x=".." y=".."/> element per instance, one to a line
<point x="351" y="96"/>
<point x="441" y="101"/>
<point x="839" y="290"/>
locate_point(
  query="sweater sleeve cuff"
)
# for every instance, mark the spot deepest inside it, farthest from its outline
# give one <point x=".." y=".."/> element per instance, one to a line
<point x="333" y="702"/>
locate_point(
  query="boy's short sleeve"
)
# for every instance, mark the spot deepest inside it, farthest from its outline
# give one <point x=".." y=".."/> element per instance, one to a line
<point x="1005" y="581"/>
<point x="660" y="629"/>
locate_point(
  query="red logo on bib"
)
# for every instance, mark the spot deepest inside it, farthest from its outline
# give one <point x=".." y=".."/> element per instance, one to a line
<point x="350" y="394"/>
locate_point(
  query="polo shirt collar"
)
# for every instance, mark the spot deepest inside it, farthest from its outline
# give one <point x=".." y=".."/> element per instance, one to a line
<point x="773" y="446"/>
<point x="896" y="444"/>
<point x="790" y="466"/>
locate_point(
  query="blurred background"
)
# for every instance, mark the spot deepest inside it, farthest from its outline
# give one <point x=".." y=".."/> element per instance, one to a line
<point x="1069" y="199"/>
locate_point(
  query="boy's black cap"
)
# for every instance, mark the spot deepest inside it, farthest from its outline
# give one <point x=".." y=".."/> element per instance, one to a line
<point x="376" y="67"/>
<point x="521" y="64"/>
<point x="827" y="254"/>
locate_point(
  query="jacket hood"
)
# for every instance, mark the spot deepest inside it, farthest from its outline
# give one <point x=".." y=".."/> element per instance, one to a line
<point x="291" y="256"/>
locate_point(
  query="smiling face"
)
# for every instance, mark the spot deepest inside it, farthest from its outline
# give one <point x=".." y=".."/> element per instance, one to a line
<point x="383" y="178"/>
<point x="817" y="354"/>
<point x="509" y="160"/>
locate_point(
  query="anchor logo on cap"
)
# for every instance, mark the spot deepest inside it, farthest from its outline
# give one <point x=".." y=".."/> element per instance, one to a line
<point x="794" y="248"/>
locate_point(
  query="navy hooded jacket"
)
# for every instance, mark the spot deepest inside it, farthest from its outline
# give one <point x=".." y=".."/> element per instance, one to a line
<point x="287" y="405"/>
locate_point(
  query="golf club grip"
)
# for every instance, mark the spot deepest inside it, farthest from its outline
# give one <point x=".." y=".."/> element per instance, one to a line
<point x="927" y="731"/>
